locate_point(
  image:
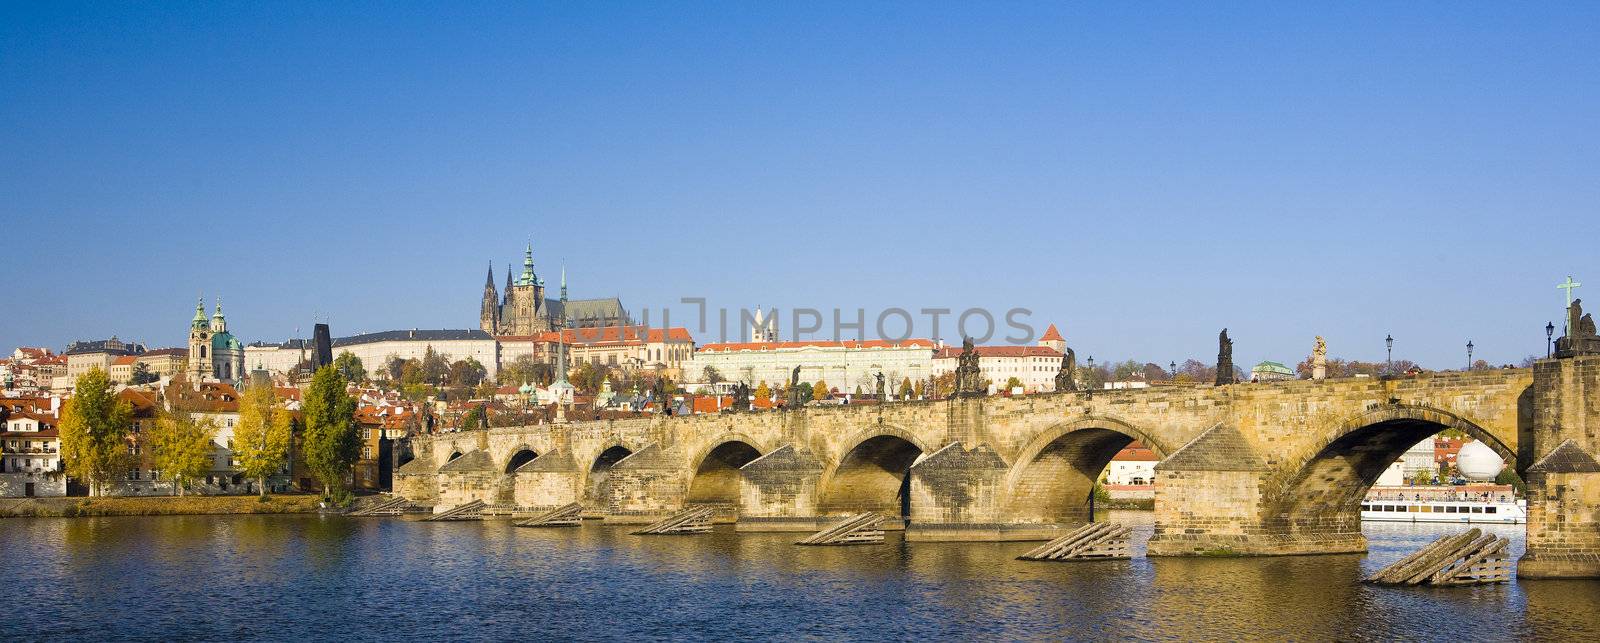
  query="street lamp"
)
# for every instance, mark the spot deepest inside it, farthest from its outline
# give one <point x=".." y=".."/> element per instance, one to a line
<point x="1549" y="331"/>
<point x="1469" y="354"/>
<point x="1172" y="370"/>
<point x="1389" y="341"/>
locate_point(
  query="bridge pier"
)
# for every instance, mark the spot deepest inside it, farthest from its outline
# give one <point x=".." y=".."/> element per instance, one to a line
<point x="959" y="494"/>
<point x="778" y="492"/>
<point x="549" y="481"/>
<point x="644" y="487"/>
<point x="1564" y="479"/>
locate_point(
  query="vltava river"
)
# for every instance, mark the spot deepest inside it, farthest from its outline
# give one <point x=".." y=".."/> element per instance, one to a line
<point x="318" y="578"/>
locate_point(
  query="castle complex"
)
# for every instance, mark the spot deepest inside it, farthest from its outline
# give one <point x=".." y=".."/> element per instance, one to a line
<point x="522" y="310"/>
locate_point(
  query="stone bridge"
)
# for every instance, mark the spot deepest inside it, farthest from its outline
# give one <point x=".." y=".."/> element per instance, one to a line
<point x="1254" y="469"/>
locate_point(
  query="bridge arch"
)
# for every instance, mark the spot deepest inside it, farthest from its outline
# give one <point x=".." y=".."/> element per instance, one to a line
<point x="1054" y="475"/>
<point x="521" y="455"/>
<point x="597" y="475"/>
<point x="873" y="474"/>
<point x="1320" y="495"/>
<point x="714" y="469"/>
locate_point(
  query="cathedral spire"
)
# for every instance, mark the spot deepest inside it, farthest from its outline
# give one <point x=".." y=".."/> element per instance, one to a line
<point x="528" y="278"/>
<point x="489" y="282"/>
<point x="563" y="286"/>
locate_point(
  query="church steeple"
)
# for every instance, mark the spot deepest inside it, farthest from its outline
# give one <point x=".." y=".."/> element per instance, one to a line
<point x="528" y="276"/>
<point x="199" y="314"/>
<point x="563" y="287"/>
<point x="489" y="311"/>
<point x="218" y="324"/>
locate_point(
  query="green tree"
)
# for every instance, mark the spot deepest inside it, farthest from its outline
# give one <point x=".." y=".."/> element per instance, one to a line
<point x="713" y="376"/>
<point x="395" y="367"/>
<point x="905" y="388"/>
<point x="820" y="391"/>
<point x="467" y="373"/>
<point x="331" y="442"/>
<point x="181" y="445"/>
<point x="142" y="374"/>
<point x="435" y="367"/>
<point x="94" y="428"/>
<point x="588" y="377"/>
<point x="806" y="391"/>
<point x="350" y="366"/>
<point x="1013" y="384"/>
<point x="261" y="440"/>
<point x="921" y="390"/>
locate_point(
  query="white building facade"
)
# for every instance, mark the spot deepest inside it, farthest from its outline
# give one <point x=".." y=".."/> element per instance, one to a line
<point x="844" y="365"/>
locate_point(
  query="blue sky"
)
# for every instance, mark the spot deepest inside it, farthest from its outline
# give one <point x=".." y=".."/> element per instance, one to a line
<point x="1141" y="174"/>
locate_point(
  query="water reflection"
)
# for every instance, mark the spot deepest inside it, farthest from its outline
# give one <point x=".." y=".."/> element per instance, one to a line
<point x="303" y="577"/>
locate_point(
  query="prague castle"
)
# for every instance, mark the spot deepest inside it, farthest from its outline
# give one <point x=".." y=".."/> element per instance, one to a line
<point x="523" y="309"/>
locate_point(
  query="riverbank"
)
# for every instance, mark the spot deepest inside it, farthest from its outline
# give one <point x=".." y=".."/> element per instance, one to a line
<point x="156" y="506"/>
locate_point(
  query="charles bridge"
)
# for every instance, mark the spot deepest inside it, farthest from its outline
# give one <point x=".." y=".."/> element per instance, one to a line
<point x="1246" y="469"/>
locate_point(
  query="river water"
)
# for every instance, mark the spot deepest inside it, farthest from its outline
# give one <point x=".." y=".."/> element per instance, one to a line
<point x="315" y="577"/>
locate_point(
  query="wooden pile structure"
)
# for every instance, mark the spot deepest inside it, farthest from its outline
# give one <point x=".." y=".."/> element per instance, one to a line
<point x="564" y="516"/>
<point x="469" y="511"/>
<point x="856" y="530"/>
<point x="694" y="520"/>
<point x="1468" y="558"/>
<point x="1094" y="541"/>
<point x="391" y="506"/>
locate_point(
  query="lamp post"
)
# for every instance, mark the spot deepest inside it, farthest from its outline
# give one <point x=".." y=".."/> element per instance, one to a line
<point x="1388" y="368"/>
<point x="1469" y="354"/>
<point x="1172" y="370"/>
<point x="1549" y="331"/>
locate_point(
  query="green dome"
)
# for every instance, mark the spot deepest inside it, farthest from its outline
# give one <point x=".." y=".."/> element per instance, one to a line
<point x="224" y="341"/>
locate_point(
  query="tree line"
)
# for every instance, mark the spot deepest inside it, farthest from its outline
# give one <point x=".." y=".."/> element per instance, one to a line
<point x="97" y="435"/>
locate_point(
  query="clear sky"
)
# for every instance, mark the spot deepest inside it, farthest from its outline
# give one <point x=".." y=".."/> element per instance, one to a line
<point x="1141" y="174"/>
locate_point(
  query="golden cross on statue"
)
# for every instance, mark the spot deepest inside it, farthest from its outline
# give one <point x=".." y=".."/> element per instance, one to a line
<point x="1569" y="284"/>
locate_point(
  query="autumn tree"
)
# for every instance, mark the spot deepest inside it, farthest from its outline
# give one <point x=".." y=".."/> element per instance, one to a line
<point x="181" y="444"/>
<point x="1012" y="384"/>
<point x="331" y="442"/>
<point x="762" y="392"/>
<point x="261" y="440"/>
<point x="905" y="388"/>
<point x="94" y="427"/>
<point x="820" y="391"/>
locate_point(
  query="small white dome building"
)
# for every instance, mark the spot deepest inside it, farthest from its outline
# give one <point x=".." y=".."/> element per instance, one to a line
<point x="1478" y="462"/>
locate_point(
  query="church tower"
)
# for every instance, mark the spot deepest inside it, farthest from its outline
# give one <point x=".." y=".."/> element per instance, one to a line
<point x="200" y="343"/>
<point x="489" y="312"/>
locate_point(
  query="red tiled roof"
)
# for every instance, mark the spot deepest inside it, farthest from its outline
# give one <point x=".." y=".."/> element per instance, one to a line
<point x="125" y="360"/>
<point x="727" y="347"/>
<point x="1052" y="335"/>
<point x="1135" y="452"/>
<point x="951" y="352"/>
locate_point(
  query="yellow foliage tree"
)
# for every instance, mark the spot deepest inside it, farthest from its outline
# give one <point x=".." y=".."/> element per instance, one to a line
<point x="181" y="446"/>
<point x="94" y="429"/>
<point x="819" y="391"/>
<point x="261" y="441"/>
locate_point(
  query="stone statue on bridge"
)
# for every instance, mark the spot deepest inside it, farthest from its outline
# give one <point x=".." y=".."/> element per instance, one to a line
<point x="1067" y="375"/>
<point x="880" y="386"/>
<point x="1225" y="373"/>
<point x="741" y="397"/>
<point x="1580" y="338"/>
<point x="969" y="378"/>
<point x="1319" y="360"/>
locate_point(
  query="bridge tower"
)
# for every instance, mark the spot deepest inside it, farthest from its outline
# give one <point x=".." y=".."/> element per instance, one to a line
<point x="1560" y="456"/>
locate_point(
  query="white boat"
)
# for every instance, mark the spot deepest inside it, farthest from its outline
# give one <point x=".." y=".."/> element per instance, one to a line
<point x="1461" y="511"/>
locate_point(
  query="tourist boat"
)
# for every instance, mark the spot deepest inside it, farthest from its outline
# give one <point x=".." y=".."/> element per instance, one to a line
<point x="1462" y="511"/>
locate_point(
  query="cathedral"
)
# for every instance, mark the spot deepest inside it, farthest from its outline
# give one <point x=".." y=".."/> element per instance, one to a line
<point x="214" y="353"/>
<point x="523" y="310"/>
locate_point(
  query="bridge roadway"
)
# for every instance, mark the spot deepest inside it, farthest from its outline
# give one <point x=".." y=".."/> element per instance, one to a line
<point x="1246" y="469"/>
